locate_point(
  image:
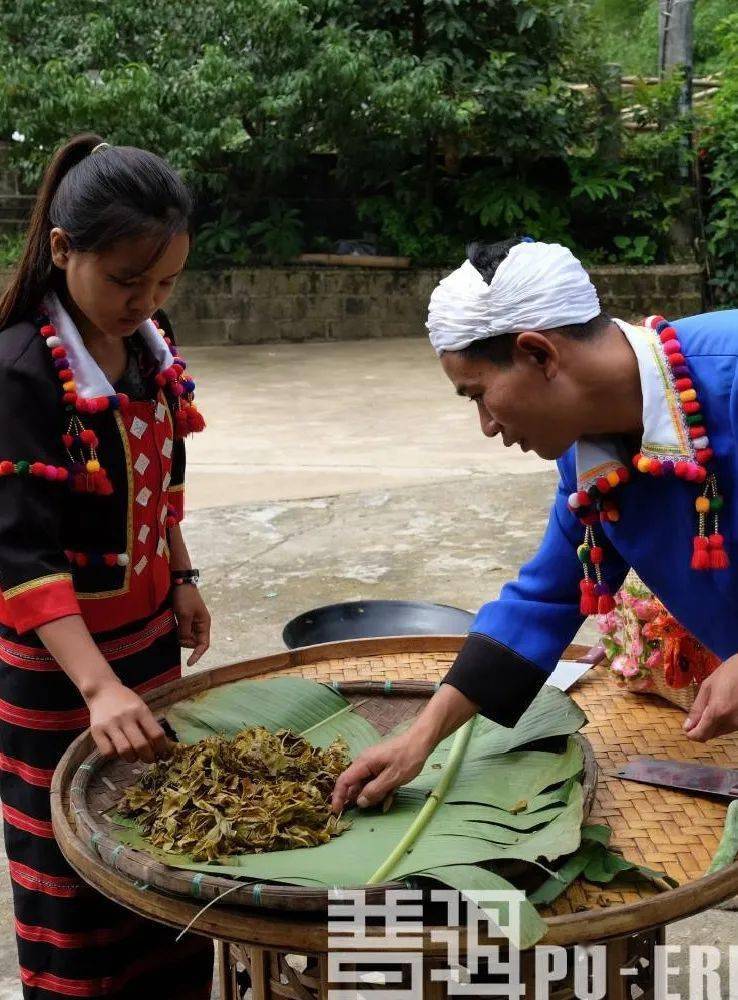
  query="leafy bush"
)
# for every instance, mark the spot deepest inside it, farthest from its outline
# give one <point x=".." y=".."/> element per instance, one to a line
<point x="719" y="153"/>
<point x="430" y="121"/>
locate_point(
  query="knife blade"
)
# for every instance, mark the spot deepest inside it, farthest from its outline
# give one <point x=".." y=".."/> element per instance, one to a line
<point x="682" y="775"/>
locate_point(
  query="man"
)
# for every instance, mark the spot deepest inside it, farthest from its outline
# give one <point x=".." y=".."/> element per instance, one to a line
<point x="643" y="423"/>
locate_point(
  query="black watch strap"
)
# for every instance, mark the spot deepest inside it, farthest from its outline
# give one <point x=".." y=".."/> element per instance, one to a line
<point x="182" y="576"/>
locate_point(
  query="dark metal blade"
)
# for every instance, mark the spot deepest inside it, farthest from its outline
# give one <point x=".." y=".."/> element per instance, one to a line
<point x="682" y="776"/>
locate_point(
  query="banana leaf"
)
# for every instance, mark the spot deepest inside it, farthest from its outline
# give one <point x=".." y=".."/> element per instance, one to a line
<point x="496" y="801"/>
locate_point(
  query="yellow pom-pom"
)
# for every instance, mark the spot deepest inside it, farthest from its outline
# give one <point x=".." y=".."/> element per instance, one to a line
<point x="93" y="465"/>
<point x="688" y="395"/>
<point x="702" y="504"/>
<point x="69" y="386"/>
<point x="613" y="479"/>
<point x="644" y="464"/>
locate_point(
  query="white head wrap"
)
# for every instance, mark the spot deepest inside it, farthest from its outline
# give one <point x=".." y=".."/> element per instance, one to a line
<point x="538" y="286"/>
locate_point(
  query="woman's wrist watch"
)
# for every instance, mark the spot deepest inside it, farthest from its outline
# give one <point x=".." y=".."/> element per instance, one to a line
<point x="182" y="576"/>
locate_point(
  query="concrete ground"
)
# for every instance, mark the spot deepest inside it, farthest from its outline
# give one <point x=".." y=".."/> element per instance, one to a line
<point x="342" y="471"/>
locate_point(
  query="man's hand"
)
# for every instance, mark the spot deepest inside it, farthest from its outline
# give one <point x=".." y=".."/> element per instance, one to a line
<point x="715" y="710"/>
<point x="378" y="770"/>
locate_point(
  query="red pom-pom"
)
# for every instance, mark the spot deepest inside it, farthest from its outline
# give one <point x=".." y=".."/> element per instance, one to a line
<point x="89" y="438"/>
<point x="676" y="360"/>
<point x="602" y="485"/>
<point x="195" y="421"/>
<point x="48" y="331"/>
<point x="51" y="473"/>
<point x="672" y="347"/>
<point x="682" y="384"/>
<point x="70" y="398"/>
<point x="67" y="440"/>
<point x="62" y="474"/>
<point x="37" y="469"/>
<point x="697" y="432"/>
<point x="623" y="474"/>
<point x="588" y="599"/>
<point x="636" y="459"/>
<point x="655" y="467"/>
<point x="596" y="554"/>
<point x="65" y="374"/>
<point x="103" y="486"/>
<point x="58" y="352"/>
<point x="701" y="475"/>
<point x="704" y="456"/>
<point x="605" y="604"/>
<point x="691" y="408"/>
<point x="6" y="468"/>
<point x="668" y="333"/>
<point x="680" y="469"/>
<point x="700" y="554"/>
<point x="110" y="559"/>
<point x="80" y="558"/>
<point x="718" y="555"/>
<point x="103" y="403"/>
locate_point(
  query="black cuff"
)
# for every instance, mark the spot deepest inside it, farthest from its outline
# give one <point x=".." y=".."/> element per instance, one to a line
<point x="498" y="679"/>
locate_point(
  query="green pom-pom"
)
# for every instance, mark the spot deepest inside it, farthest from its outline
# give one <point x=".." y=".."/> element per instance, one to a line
<point x="22" y="468"/>
<point x="716" y="503"/>
<point x="694" y="419"/>
<point x="583" y="552"/>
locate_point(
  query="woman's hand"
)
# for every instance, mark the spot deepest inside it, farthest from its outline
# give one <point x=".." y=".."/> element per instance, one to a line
<point x="122" y="724"/>
<point x="715" y="709"/>
<point x="193" y="621"/>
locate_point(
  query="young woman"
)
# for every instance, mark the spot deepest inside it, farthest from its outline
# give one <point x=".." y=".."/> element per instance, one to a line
<point x="97" y="592"/>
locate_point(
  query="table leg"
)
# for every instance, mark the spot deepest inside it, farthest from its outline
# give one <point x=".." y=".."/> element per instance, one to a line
<point x="226" y="972"/>
<point x="259" y="959"/>
<point x="617" y="958"/>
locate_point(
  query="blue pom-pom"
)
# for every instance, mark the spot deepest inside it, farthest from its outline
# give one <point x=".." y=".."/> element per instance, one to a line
<point x="527" y="239"/>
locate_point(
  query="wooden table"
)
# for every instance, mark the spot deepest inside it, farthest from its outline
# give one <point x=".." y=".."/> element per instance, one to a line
<point x="670" y="831"/>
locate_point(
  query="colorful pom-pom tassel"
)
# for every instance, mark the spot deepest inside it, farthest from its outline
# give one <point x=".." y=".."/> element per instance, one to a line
<point x="718" y="555"/>
<point x="700" y="553"/>
<point x="588" y="600"/>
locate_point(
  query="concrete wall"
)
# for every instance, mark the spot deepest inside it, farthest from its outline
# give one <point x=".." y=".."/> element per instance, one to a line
<point x="259" y="305"/>
<point x="344" y="303"/>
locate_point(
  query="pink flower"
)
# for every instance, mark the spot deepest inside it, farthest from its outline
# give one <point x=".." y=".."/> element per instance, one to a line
<point x="655" y="659"/>
<point x="618" y="663"/>
<point x="645" y="609"/>
<point x="630" y="667"/>
<point x="608" y="623"/>
<point x="636" y="645"/>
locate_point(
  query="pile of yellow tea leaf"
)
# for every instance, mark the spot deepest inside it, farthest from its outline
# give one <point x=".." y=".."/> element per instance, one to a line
<point x="260" y="791"/>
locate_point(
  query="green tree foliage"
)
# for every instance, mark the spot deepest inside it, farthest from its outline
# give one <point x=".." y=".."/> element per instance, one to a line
<point x="719" y="158"/>
<point x="439" y="120"/>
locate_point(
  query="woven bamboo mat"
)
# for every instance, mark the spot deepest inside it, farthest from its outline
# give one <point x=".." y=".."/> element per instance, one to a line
<point x="665" y="830"/>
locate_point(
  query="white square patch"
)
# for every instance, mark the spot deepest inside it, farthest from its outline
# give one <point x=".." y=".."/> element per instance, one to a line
<point x="144" y="533"/>
<point x="160" y="547"/>
<point x="141" y="465"/>
<point x="144" y="496"/>
<point x="160" y="412"/>
<point x="138" y="427"/>
<point x="166" y="481"/>
<point x="166" y="448"/>
<point x="140" y="565"/>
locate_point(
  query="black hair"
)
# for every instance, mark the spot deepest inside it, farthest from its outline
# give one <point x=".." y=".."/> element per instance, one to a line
<point x="487" y="257"/>
<point x="119" y="192"/>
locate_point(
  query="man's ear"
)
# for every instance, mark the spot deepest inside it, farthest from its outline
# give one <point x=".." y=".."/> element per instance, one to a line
<point x="534" y="348"/>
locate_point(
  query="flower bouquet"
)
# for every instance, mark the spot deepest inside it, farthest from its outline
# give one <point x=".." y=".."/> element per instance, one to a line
<point x="649" y="651"/>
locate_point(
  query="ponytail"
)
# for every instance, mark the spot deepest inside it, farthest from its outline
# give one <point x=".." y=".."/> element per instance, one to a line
<point x="34" y="273"/>
<point x="120" y="192"/>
